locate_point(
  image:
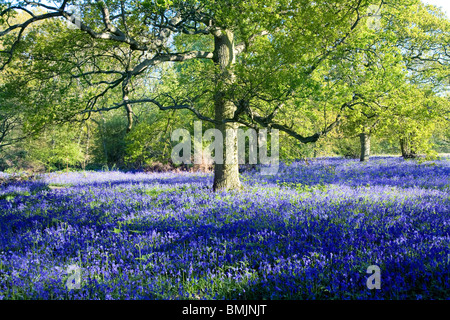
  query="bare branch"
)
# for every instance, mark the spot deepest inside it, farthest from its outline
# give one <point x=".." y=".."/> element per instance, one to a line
<point x="241" y="47"/>
<point x="170" y="57"/>
<point x="162" y="107"/>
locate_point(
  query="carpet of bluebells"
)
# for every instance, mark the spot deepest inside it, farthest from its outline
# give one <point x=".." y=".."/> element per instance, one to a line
<point x="309" y="232"/>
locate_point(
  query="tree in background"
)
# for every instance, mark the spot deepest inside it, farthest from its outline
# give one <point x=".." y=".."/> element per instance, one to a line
<point x="423" y="37"/>
<point x="398" y="75"/>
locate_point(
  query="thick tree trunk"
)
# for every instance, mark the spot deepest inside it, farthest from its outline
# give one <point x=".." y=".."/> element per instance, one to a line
<point x="226" y="174"/>
<point x="364" y="139"/>
<point x="407" y="150"/>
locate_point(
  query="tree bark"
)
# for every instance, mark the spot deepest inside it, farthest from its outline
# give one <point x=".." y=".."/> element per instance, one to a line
<point x="88" y="140"/>
<point x="364" y="139"/>
<point x="103" y="135"/>
<point x="406" y="148"/>
<point x="226" y="174"/>
<point x="128" y="108"/>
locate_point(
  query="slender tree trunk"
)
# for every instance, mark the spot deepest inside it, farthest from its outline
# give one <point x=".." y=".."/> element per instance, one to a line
<point x="128" y="108"/>
<point x="103" y="135"/>
<point x="364" y="138"/>
<point x="88" y="140"/>
<point x="226" y="174"/>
